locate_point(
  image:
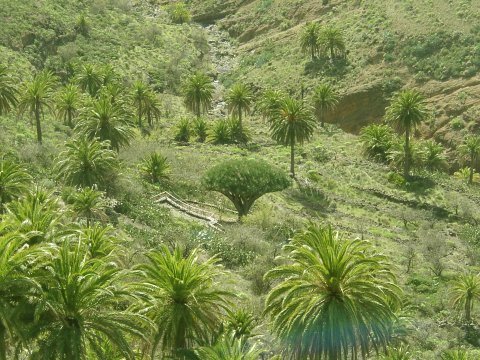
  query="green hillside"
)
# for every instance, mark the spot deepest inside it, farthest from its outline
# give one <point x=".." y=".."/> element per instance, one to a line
<point x="117" y="242"/>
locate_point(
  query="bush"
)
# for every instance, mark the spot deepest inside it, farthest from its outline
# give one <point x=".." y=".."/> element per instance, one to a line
<point x="200" y="129"/>
<point x="220" y="133"/>
<point x="237" y="133"/>
<point x="183" y="131"/>
<point x="155" y="168"/>
<point x="179" y="13"/>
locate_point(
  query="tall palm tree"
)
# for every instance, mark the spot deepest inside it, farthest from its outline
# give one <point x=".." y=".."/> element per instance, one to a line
<point x="239" y="99"/>
<point x="36" y="96"/>
<point x="331" y="40"/>
<point x="406" y="111"/>
<point x="8" y="92"/>
<point x="17" y="287"/>
<point x="89" y="79"/>
<point x="309" y="39"/>
<point x="140" y="97"/>
<point x="183" y="298"/>
<point x="152" y="107"/>
<point x="67" y="104"/>
<point x="465" y="291"/>
<point x="335" y="298"/>
<point x="471" y="148"/>
<point x="87" y="163"/>
<point x="292" y="123"/>
<point x="14" y="181"/>
<point x="106" y="121"/>
<point x="83" y="308"/>
<point x="198" y="92"/>
<point x="325" y="99"/>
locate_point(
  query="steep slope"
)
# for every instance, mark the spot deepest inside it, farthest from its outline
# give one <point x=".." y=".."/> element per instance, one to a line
<point x="432" y="45"/>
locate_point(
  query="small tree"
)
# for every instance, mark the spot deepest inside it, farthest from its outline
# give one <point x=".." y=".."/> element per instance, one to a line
<point x="465" y="291"/>
<point x="331" y="40"/>
<point x="245" y="180"/>
<point x="198" y="91"/>
<point x="292" y="123"/>
<point x="406" y="111"/>
<point x="8" y="92"/>
<point x="325" y="99"/>
<point x="471" y="149"/>
<point x="309" y="40"/>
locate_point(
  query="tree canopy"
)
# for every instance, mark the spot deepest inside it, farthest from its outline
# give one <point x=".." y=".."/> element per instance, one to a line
<point x="245" y="180"/>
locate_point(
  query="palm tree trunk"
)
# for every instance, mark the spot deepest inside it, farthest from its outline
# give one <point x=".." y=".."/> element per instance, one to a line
<point x="292" y="157"/>
<point x="468" y="309"/>
<point x="198" y="110"/>
<point x="332" y="52"/>
<point x="313" y="52"/>
<point x="69" y="119"/>
<point x="140" y="115"/>
<point x="3" y="345"/>
<point x="406" y="163"/>
<point x="472" y="161"/>
<point x="240" y="125"/>
<point x="37" y="122"/>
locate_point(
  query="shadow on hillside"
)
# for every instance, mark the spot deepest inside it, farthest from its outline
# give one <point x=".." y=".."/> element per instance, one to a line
<point x="313" y="199"/>
<point x="419" y="185"/>
<point x="339" y="67"/>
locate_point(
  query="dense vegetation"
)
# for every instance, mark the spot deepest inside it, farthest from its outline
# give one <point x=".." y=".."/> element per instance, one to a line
<point x="369" y="250"/>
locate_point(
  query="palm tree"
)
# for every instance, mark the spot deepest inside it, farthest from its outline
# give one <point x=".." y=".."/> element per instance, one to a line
<point x="107" y="121"/>
<point x="292" y="123"/>
<point x="140" y="97"/>
<point x="89" y="79"/>
<point x="458" y="354"/>
<point x="183" y="298"/>
<point x="67" y="104"/>
<point x="325" y="99"/>
<point x="100" y="240"/>
<point x="17" y="287"/>
<point x="240" y="323"/>
<point x="228" y="348"/>
<point x="36" y="96"/>
<point x="309" y="39"/>
<point x="89" y="204"/>
<point x="83" y="308"/>
<point x="465" y="291"/>
<point x="37" y="216"/>
<point x="8" y="92"/>
<point x="152" y="107"/>
<point x="377" y="140"/>
<point x="155" y="168"/>
<point x="406" y="111"/>
<point x="87" y="163"/>
<point x="331" y="40"/>
<point x="239" y="99"/>
<point x="471" y="148"/>
<point x="14" y="181"/>
<point x="434" y="158"/>
<point x="198" y="93"/>
<point x="336" y="297"/>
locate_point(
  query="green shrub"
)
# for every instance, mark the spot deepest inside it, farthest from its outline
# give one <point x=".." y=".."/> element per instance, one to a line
<point x="238" y="134"/>
<point x="183" y="131"/>
<point x="200" y="129"/>
<point x="155" y="168"/>
<point x="179" y="13"/>
<point x="220" y="133"/>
